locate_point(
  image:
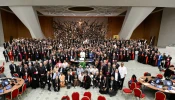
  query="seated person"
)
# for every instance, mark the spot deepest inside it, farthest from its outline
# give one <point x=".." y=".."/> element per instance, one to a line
<point x="168" y="84"/>
<point x="95" y="79"/>
<point x="112" y="87"/>
<point x="169" y="72"/>
<point x="103" y="86"/>
<point x="56" y="84"/>
<point x="12" y="83"/>
<point x="69" y="80"/>
<point x="147" y="78"/>
<point x="75" y="80"/>
<point x="62" y="80"/>
<point x="134" y="79"/>
<point x="86" y="81"/>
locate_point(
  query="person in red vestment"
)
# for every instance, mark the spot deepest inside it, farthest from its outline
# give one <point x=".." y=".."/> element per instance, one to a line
<point x="11" y="55"/>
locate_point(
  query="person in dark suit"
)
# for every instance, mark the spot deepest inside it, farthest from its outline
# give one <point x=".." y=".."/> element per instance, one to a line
<point x="95" y="79"/>
<point x="54" y="61"/>
<point x="169" y="72"/>
<point x="48" y="80"/>
<point x="13" y="68"/>
<point x="35" y="77"/>
<point x="61" y="69"/>
<point x="5" y="53"/>
<point x="42" y="74"/>
<point x="108" y="69"/>
<point x="20" y="70"/>
<point x="56" y="84"/>
<point x="112" y="87"/>
<point x="69" y="80"/>
<point x="87" y="81"/>
<point x="104" y="86"/>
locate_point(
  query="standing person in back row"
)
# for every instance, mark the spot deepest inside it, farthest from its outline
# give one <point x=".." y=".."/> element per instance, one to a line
<point x="123" y="71"/>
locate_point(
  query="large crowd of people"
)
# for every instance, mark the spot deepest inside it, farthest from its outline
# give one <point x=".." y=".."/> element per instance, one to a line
<point x="44" y="62"/>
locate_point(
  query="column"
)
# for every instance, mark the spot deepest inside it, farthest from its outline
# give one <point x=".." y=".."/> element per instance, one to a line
<point x="29" y="17"/>
<point x="167" y="28"/>
<point x="1" y="32"/>
<point x="134" y="16"/>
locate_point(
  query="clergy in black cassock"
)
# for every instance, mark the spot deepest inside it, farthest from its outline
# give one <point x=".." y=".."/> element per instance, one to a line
<point x="87" y="81"/>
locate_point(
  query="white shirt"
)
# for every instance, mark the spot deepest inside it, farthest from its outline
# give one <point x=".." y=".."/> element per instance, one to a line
<point x="65" y="65"/>
<point x="116" y="76"/>
<point x="91" y="70"/>
<point x="82" y="54"/>
<point x="95" y="70"/>
<point x="122" y="71"/>
<point x="80" y="77"/>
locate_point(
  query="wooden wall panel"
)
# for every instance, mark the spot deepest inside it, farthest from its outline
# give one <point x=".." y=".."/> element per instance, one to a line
<point x="23" y="31"/>
<point x="12" y="26"/>
<point x="46" y="26"/>
<point x="114" y="26"/>
<point x="9" y="22"/>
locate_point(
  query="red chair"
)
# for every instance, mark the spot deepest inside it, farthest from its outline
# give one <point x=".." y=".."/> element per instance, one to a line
<point x="160" y="96"/>
<point x="85" y="98"/>
<point x="101" y="98"/>
<point x="75" y="96"/>
<point x="65" y="97"/>
<point x="13" y="95"/>
<point x="15" y="75"/>
<point x="129" y="90"/>
<point x="145" y="73"/>
<point x="138" y="93"/>
<point x="23" y="90"/>
<point x="160" y="76"/>
<point x="88" y="94"/>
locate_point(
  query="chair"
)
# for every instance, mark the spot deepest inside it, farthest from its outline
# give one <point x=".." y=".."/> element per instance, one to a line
<point x="101" y="98"/>
<point x="23" y="90"/>
<point x="88" y="94"/>
<point x="138" y="93"/>
<point x="160" y="96"/>
<point x="65" y="97"/>
<point x="15" y="75"/>
<point x="145" y="73"/>
<point x="160" y="76"/>
<point x="75" y="96"/>
<point x="129" y="90"/>
<point x="85" y="98"/>
<point x="13" y="95"/>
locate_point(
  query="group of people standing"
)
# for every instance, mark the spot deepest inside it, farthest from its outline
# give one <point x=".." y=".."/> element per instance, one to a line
<point x="48" y="62"/>
<point x="109" y="78"/>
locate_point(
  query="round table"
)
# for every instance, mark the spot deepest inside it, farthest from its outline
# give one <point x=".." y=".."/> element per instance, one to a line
<point x="141" y="80"/>
<point x="17" y="85"/>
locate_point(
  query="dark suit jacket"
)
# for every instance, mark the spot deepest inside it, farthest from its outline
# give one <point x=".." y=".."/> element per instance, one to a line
<point x="113" y="86"/>
<point x="70" y="80"/>
<point x="63" y="70"/>
<point x="12" y="70"/>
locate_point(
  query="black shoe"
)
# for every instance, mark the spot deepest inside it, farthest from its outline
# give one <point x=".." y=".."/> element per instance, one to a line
<point x="49" y="89"/>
